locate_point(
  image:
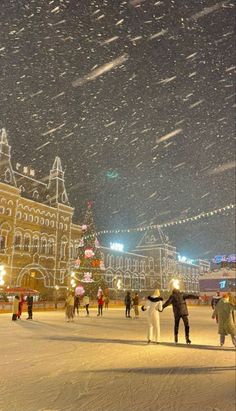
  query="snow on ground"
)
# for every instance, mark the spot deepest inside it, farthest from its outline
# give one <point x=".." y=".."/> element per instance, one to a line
<point x="104" y="364"/>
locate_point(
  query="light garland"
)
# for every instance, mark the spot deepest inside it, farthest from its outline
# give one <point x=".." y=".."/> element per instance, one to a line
<point x="172" y="223"/>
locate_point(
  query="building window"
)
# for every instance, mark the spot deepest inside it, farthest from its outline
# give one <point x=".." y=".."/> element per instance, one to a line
<point x="31" y="218"/>
<point x="1" y="210"/>
<point x="26" y="244"/>
<point x="151" y="264"/>
<point x="17" y="242"/>
<point x="43" y="246"/>
<point x="63" y="250"/>
<point x="35" y="245"/>
<point x="8" y="211"/>
<point x="2" y="243"/>
<point x="51" y="247"/>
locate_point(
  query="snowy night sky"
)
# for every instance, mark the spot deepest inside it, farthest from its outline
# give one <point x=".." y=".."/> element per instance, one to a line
<point x="137" y="97"/>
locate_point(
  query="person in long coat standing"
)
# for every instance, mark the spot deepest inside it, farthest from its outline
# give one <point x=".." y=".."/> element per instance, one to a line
<point x="70" y="307"/>
<point x="180" y="310"/>
<point x="223" y="312"/>
<point x="153" y="317"/>
<point x="15" y="308"/>
<point x="128" y="302"/>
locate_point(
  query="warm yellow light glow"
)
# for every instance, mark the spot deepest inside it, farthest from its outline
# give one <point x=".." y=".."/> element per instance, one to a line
<point x="175" y="283"/>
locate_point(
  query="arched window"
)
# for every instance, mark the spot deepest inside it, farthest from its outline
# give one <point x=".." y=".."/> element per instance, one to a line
<point x="63" y="250"/>
<point x="36" y="219"/>
<point x="2" y="243"/>
<point x="4" y="230"/>
<point x="42" y="220"/>
<point x="26" y="244"/>
<point x="52" y="223"/>
<point x="35" y="246"/>
<point x="8" y="211"/>
<point x="17" y="241"/>
<point x="151" y="263"/>
<point x="35" y="194"/>
<point x="18" y="215"/>
<point x="31" y="218"/>
<point x="43" y="246"/>
<point x="47" y="222"/>
<point x="51" y="247"/>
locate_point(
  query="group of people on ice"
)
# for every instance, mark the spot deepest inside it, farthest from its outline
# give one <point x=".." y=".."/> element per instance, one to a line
<point x="17" y="307"/>
<point x="74" y="303"/>
<point x="223" y="313"/>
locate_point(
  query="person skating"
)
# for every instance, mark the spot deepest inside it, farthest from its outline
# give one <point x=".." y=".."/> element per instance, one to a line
<point x="180" y="310"/>
<point x="30" y="302"/>
<point x="128" y="302"/>
<point x="135" y="305"/>
<point x="15" y="308"/>
<point x="86" y="304"/>
<point x="100" y="305"/>
<point x="153" y="318"/>
<point x="223" y="313"/>
<point x="70" y="307"/>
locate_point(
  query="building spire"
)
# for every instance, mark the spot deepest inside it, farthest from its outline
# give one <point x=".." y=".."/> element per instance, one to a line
<point x="56" y="185"/>
<point x="57" y="164"/>
<point x="6" y="172"/>
<point x="3" y="136"/>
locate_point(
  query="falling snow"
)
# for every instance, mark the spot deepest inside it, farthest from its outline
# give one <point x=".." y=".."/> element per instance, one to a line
<point x="144" y="88"/>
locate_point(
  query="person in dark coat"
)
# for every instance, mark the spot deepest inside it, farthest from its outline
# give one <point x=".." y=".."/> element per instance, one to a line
<point x="128" y="302"/>
<point x="76" y="304"/>
<point x="30" y="302"/>
<point x="180" y="310"/>
<point x="215" y="299"/>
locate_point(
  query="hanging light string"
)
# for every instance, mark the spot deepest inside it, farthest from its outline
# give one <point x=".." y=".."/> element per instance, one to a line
<point x="197" y="217"/>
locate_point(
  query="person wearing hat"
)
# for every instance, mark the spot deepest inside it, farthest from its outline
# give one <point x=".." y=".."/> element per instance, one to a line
<point x="223" y="314"/>
<point x="153" y="308"/>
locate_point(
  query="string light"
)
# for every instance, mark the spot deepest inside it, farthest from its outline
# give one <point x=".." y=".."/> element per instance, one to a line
<point x="185" y="220"/>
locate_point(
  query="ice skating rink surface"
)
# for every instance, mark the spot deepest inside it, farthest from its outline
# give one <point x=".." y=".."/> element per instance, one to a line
<point x="105" y="364"/>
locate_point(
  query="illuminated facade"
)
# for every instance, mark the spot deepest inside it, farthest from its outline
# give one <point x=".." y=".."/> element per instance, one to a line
<point x="39" y="242"/>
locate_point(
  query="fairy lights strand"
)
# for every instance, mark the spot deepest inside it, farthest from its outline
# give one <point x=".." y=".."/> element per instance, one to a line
<point x="172" y="223"/>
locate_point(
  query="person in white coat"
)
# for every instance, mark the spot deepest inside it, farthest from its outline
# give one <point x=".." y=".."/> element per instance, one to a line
<point x="153" y="318"/>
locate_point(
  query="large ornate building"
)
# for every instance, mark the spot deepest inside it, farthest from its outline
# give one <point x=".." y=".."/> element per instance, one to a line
<point x="37" y="236"/>
<point x="39" y="241"/>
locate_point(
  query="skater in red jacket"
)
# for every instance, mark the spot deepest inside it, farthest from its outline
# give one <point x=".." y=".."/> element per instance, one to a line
<point x="100" y="305"/>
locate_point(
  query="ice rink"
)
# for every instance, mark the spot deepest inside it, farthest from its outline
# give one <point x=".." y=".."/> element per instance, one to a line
<point x="105" y="364"/>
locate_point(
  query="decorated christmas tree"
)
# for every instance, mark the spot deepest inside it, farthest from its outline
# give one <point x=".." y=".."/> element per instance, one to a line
<point x="89" y="266"/>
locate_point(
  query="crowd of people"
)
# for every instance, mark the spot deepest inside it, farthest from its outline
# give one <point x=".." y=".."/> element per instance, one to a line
<point x="223" y="307"/>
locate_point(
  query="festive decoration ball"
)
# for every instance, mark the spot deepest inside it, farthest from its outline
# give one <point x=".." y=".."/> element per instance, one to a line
<point x="96" y="263"/>
<point x="79" y="290"/>
<point x="88" y="253"/>
<point x="84" y="227"/>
